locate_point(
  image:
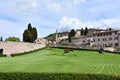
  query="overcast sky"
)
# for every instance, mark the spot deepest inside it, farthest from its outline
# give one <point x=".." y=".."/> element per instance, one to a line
<point x="49" y="15"/>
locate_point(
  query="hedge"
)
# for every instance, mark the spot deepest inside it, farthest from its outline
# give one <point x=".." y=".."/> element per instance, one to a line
<point x="56" y="76"/>
<point x="87" y="49"/>
<point x="18" y="54"/>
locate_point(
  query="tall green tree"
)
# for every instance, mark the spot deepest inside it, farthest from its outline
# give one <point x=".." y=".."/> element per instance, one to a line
<point x="30" y="27"/>
<point x="69" y="37"/>
<point x="86" y="31"/>
<point x="35" y="33"/>
<point x="72" y="32"/>
<point x="30" y="34"/>
<point x="1" y="39"/>
<point x="82" y="31"/>
<point x="27" y="36"/>
<point x="31" y="30"/>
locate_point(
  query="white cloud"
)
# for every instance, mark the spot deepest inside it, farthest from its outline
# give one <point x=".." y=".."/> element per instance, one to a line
<point x="104" y="6"/>
<point x="78" y="1"/>
<point x="25" y="6"/>
<point x="61" y="5"/>
<point x="115" y="23"/>
<point x="54" y="7"/>
<point x="69" y="23"/>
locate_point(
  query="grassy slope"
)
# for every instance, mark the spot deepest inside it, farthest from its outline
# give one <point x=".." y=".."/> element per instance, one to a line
<point x="54" y="60"/>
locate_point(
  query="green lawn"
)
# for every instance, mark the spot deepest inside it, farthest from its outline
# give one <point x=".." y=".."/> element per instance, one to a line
<point x="54" y="60"/>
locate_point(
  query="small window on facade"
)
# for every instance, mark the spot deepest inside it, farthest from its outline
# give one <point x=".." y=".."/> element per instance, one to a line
<point x="116" y="44"/>
<point x="105" y="39"/>
<point x="109" y="33"/>
<point x="98" y="39"/>
<point x="115" y="38"/>
<point x="110" y="39"/>
<point x="110" y="44"/>
<point x="98" y="35"/>
<point x="105" y="45"/>
<point x="104" y="34"/>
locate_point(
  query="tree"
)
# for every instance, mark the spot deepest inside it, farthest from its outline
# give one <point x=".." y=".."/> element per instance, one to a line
<point x="27" y="36"/>
<point x="31" y="30"/>
<point x="69" y="37"/>
<point x="30" y="34"/>
<point x="82" y="31"/>
<point x="14" y="39"/>
<point x="72" y="32"/>
<point x="1" y="39"/>
<point x="110" y="29"/>
<point x="35" y="33"/>
<point x="86" y="31"/>
<point x="30" y="27"/>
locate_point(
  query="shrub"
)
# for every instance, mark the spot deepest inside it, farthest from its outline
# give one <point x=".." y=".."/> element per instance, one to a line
<point x="56" y="76"/>
<point x="14" y="39"/>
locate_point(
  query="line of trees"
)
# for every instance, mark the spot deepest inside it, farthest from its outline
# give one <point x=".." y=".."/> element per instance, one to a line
<point x="30" y="34"/>
<point x="84" y="31"/>
<point x="72" y="33"/>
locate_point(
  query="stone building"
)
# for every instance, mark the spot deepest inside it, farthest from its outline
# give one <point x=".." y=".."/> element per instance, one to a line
<point x="78" y="33"/>
<point x="62" y="36"/>
<point x="106" y="39"/>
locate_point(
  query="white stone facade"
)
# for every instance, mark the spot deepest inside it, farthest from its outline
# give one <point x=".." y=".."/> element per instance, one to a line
<point x="105" y="39"/>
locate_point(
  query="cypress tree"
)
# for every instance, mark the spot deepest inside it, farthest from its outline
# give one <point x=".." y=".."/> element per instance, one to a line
<point x="86" y="31"/>
<point x="30" y="34"/>
<point x="1" y="39"/>
<point x="72" y="32"/>
<point x="69" y="37"/>
<point x="34" y="33"/>
<point x="31" y="30"/>
<point x="27" y="36"/>
<point x="82" y="31"/>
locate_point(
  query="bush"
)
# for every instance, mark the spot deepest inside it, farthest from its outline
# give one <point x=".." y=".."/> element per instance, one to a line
<point x="14" y="39"/>
<point x="56" y="76"/>
<point x="86" y="49"/>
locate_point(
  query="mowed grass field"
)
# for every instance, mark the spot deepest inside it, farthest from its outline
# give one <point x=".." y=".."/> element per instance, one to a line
<point x="53" y="60"/>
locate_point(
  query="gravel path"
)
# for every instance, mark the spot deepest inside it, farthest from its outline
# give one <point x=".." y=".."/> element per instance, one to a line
<point x="19" y="47"/>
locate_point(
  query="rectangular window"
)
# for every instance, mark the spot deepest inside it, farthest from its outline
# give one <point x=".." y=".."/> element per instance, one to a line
<point x="98" y="35"/>
<point x="110" y="39"/>
<point x="103" y="39"/>
<point x="104" y="34"/>
<point x="109" y="33"/>
<point x="105" y="45"/>
<point x="115" y="33"/>
<point x="110" y="44"/>
<point x="98" y="39"/>
<point x="116" y="44"/>
<point x="115" y="38"/>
